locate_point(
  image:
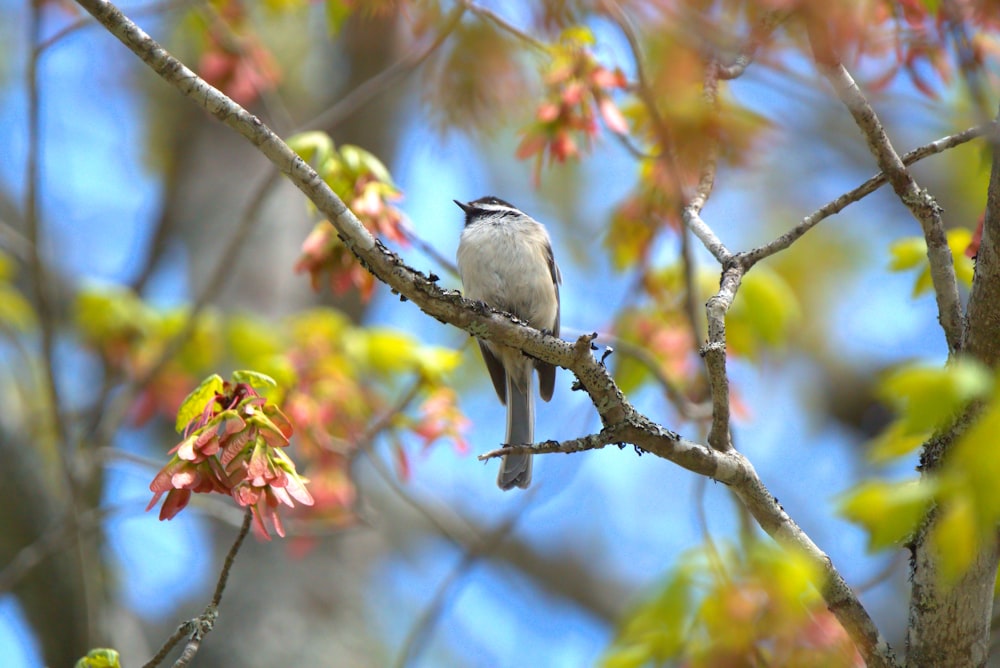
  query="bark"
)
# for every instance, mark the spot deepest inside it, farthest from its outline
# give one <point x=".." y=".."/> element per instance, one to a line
<point x="950" y="626"/>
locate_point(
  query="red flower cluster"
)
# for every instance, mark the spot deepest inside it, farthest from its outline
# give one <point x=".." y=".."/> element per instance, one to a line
<point x="361" y="180"/>
<point x="575" y="84"/>
<point x="233" y="447"/>
<point x="325" y="255"/>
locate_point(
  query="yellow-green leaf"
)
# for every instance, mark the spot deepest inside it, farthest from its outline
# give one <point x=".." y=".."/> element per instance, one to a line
<point x="955" y="539"/>
<point x="253" y="379"/>
<point x="958" y="240"/>
<point x="580" y="35"/>
<point x="315" y="147"/>
<point x="973" y="469"/>
<point x="194" y="404"/>
<point x="656" y="629"/>
<point x="926" y="396"/>
<point x="907" y="253"/>
<point x="15" y="311"/>
<point x="106" y="311"/>
<point x="100" y="658"/>
<point x="889" y="511"/>
<point x="359" y="161"/>
<point x="911" y="253"/>
<point x="763" y="313"/>
<point x="894" y="442"/>
<point x="435" y="362"/>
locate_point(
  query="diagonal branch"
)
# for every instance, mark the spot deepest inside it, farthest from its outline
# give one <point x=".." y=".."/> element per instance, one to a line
<point x="616" y="412"/>
<point x="752" y="257"/>
<point x="198" y="627"/>
<point x="920" y="203"/>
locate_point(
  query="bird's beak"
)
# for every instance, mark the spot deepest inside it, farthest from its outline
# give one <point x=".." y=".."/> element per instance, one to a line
<point x="464" y="207"/>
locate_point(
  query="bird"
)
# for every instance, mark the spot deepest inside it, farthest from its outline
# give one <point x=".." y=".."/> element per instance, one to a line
<point x="505" y="260"/>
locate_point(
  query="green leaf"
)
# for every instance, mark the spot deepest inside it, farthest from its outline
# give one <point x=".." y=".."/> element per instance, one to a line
<point x="895" y="442"/>
<point x="907" y="253"/>
<point x="315" y="147"/>
<point x="972" y="468"/>
<point x="959" y="239"/>
<point x="911" y="253"/>
<point x="337" y="13"/>
<point x="889" y="511"/>
<point x="103" y="312"/>
<point x="359" y="161"/>
<point x="100" y="658"/>
<point x="763" y="314"/>
<point x="578" y="35"/>
<point x="194" y="404"/>
<point x="955" y="539"/>
<point x="656" y="630"/>
<point x="15" y="311"/>
<point x="927" y="397"/>
<point x="253" y="379"/>
<point x="6" y="266"/>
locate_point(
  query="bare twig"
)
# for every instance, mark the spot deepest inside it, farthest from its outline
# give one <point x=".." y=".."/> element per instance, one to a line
<point x="350" y="103"/>
<point x="112" y="416"/>
<point x="65" y="534"/>
<point x="752" y="257"/>
<point x="618" y="415"/>
<point x="39" y="273"/>
<point x="921" y="204"/>
<point x="503" y="24"/>
<point x="365" y="445"/>
<point x="427" y="249"/>
<point x="686" y="408"/>
<point x="417" y="638"/>
<point x="201" y="625"/>
<point x="760" y="32"/>
<point x="14" y="241"/>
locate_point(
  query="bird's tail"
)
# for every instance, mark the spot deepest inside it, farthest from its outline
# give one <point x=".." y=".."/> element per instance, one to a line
<point x="515" y="470"/>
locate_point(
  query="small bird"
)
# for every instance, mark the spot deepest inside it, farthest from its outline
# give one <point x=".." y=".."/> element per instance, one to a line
<point x="505" y="260"/>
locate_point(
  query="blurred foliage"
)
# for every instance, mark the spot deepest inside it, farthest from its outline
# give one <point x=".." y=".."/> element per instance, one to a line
<point x="100" y="658"/>
<point x="734" y="605"/>
<point x="911" y="253"/>
<point x="16" y="313"/>
<point x="364" y="184"/>
<point x="330" y="377"/>
<point x="928" y="401"/>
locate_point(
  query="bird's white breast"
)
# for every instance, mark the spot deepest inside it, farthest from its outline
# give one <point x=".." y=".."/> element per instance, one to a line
<point x="506" y="264"/>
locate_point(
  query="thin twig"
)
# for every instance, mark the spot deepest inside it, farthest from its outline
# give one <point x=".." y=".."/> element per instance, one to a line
<point x="752" y="257"/>
<point x="686" y="408"/>
<point x="39" y="273"/>
<point x="65" y="534"/>
<point x="921" y="204"/>
<point x="362" y="94"/>
<point x="429" y="250"/>
<point x="112" y="416"/>
<point x="87" y="21"/>
<point x="17" y="243"/>
<point x="503" y="24"/>
<point x="760" y="32"/>
<point x="419" y="633"/>
<point x="201" y="625"/>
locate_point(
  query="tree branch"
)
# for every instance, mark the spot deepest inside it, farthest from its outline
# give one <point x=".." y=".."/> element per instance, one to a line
<point x="447" y="306"/>
<point x="752" y="257"/>
<point x="957" y="617"/>
<point x="201" y="625"/>
<point x="920" y="203"/>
